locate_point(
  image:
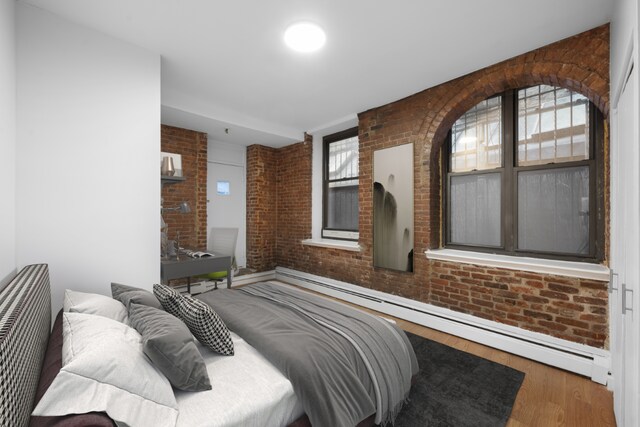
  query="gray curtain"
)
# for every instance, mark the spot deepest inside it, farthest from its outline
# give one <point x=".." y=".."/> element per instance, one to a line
<point x="475" y="209"/>
<point x="553" y="210"/>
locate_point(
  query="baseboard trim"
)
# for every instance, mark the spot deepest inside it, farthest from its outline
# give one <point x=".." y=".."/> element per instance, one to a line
<point x="245" y="279"/>
<point x="582" y="359"/>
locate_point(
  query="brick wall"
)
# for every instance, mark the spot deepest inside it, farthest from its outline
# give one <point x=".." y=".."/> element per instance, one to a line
<point x="568" y="308"/>
<point x="261" y="207"/>
<point x="565" y="307"/>
<point x="192" y="226"/>
<point x="294" y="200"/>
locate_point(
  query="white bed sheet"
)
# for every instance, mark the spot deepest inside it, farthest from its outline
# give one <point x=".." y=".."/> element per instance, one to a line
<point x="246" y="391"/>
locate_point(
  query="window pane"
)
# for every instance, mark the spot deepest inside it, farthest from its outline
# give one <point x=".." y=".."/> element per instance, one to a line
<point x="342" y="205"/>
<point x="223" y="188"/>
<point x="553" y="210"/>
<point x="343" y="158"/>
<point x="476" y="138"/>
<point x="552" y="126"/>
<point x="475" y="209"/>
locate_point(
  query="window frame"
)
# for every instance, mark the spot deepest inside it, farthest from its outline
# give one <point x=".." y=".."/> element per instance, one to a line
<point x="336" y="233"/>
<point x="509" y="196"/>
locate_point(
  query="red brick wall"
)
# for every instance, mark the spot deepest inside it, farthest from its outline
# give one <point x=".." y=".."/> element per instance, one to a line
<point x="294" y="200"/>
<point x="565" y="307"/>
<point x="262" y="168"/>
<point x="572" y="309"/>
<point x="192" y="226"/>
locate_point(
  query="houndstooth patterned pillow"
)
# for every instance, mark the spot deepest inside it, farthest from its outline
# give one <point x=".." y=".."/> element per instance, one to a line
<point x="206" y="325"/>
<point x="169" y="298"/>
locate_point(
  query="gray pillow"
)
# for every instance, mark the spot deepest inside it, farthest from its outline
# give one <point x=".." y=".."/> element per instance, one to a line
<point x="128" y="294"/>
<point x="169" y="344"/>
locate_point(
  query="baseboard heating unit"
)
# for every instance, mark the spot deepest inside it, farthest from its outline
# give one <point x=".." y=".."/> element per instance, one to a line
<point x="582" y="359"/>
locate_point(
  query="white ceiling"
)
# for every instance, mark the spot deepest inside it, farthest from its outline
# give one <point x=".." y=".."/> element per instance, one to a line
<point x="225" y="65"/>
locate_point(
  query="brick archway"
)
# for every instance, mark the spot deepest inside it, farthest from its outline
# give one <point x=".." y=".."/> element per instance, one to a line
<point x="579" y="63"/>
<point x="437" y="129"/>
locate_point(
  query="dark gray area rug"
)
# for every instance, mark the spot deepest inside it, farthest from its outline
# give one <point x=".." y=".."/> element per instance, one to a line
<point x="455" y="388"/>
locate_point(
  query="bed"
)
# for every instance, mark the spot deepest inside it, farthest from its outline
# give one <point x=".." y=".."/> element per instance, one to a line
<point x="271" y="369"/>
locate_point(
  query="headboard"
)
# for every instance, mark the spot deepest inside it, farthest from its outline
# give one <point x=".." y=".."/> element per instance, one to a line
<point x="25" y="324"/>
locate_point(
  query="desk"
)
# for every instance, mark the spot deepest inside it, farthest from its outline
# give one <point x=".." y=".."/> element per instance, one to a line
<point x="187" y="267"/>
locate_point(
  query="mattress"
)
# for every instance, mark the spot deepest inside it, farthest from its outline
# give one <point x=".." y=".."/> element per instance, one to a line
<point x="246" y="391"/>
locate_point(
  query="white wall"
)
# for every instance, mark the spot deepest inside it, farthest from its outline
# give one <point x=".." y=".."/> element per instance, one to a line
<point x="88" y="126"/>
<point x="225" y="152"/>
<point x="7" y="139"/>
<point x="624" y="26"/>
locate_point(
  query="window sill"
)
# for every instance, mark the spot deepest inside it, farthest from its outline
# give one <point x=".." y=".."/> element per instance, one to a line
<point x="535" y="265"/>
<point x="339" y="235"/>
<point x="334" y="244"/>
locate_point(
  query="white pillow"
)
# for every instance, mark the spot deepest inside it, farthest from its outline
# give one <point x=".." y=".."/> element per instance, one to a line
<point x="81" y="302"/>
<point x="104" y="369"/>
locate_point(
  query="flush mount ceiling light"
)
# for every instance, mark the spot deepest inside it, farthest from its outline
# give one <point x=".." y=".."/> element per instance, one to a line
<point x="304" y="37"/>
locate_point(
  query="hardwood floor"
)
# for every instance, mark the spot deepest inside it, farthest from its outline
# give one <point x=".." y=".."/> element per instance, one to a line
<point x="548" y="396"/>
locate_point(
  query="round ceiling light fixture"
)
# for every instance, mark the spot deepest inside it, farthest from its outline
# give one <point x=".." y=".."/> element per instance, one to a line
<point x="304" y="37"/>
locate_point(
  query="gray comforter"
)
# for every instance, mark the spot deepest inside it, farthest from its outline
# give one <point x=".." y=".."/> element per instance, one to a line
<point x="344" y="364"/>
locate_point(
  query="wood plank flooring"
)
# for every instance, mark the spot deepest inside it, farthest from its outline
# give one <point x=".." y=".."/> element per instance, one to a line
<point x="548" y="396"/>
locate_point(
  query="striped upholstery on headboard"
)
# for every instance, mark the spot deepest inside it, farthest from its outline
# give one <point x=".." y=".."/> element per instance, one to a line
<point x="25" y="324"/>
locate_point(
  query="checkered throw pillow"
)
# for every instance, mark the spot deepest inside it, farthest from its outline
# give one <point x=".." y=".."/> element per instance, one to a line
<point x="206" y="325"/>
<point x="169" y="298"/>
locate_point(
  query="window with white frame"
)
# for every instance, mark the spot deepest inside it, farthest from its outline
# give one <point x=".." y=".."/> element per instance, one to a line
<point x="340" y="195"/>
<point x="524" y="176"/>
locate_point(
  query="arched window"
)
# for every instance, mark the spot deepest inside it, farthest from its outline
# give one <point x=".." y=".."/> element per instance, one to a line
<point x="524" y="176"/>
